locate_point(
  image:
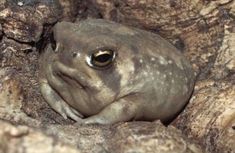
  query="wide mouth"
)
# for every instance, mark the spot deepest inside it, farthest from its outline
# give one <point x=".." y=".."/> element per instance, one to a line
<point x="71" y="81"/>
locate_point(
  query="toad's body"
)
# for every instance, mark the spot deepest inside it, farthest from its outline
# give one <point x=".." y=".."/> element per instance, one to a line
<point x="107" y="73"/>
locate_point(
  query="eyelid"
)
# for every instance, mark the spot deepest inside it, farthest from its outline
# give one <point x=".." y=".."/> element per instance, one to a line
<point x="101" y="52"/>
<point x="102" y="49"/>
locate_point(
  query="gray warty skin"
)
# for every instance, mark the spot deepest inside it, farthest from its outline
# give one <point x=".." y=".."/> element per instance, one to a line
<point x="99" y="71"/>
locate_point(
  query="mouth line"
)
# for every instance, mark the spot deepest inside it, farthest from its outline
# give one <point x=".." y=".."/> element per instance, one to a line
<point x="70" y="80"/>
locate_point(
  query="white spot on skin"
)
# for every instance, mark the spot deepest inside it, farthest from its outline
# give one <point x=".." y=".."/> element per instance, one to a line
<point x="164" y="76"/>
<point x="162" y="60"/>
<point x="173" y="81"/>
<point x="158" y="72"/>
<point x="170" y="62"/>
<point x="141" y="61"/>
<point x="145" y="74"/>
<point x="147" y="67"/>
<point x="170" y="73"/>
<point x="82" y="78"/>
<point x="152" y="59"/>
<point x="125" y="71"/>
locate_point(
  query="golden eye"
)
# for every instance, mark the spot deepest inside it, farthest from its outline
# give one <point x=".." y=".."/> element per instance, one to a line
<point x="101" y="58"/>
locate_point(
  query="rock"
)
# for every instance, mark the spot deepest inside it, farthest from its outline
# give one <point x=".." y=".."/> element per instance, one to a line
<point x="70" y="9"/>
<point x="122" y="138"/>
<point x="210" y="115"/>
<point x="24" y="139"/>
<point x="138" y="137"/>
<point x="25" y="24"/>
<point x="225" y="61"/>
<point x="13" y="53"/>
<point x="11" y="97"/>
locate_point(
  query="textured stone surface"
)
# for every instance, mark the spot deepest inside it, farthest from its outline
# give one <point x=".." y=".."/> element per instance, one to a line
<point x="210" y="116"/>
<point x="11" y="99"/>
<point x="69" y="9"/>
<point x="22" y="139"/>
<point x="122" y="138"/>
<point x="24" y="20"/>
<point x="25" y="23"/>
<point x="225" y="60"/>
<point x="138" y="137"/>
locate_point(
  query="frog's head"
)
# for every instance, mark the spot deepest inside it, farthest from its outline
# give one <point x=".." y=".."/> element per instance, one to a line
<point x="98" y="56"/>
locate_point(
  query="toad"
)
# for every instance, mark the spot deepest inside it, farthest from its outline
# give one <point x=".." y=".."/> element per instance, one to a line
<point x="98" y="71"/>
